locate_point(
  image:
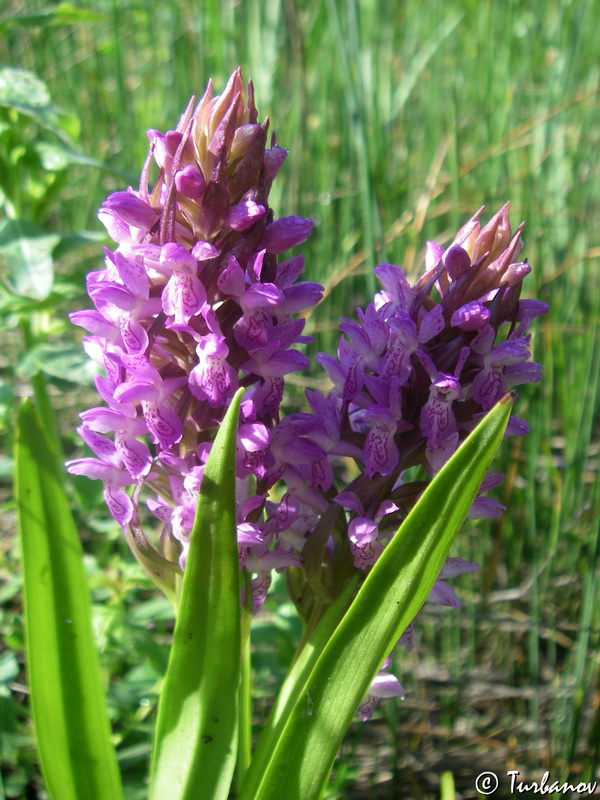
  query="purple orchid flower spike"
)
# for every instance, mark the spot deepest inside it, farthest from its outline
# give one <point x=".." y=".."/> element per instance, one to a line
<point x="412" y="377"/>
<point x="192" y="303"/>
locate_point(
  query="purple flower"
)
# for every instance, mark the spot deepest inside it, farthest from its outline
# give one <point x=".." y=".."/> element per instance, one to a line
<point x="413" y="375"/>
<point x="191" y="304"/>
<point x="384" y="685"/>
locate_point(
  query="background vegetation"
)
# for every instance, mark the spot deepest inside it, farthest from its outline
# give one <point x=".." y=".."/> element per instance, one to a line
<point x="402" y="118"/>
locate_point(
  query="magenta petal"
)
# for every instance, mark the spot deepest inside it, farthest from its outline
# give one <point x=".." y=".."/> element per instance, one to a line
<point x="91" y="468"/>
<point x="288" y="271"/>
<point x="285" y="362"/>
<point x="387" y="507"/>
<point x="286" y="232"/>
<point x="102" y="419"/>
<point x="231" y="278"/>
<point x="203" y="251"/>
<point x="470" y="317"/>
<point x="243" y="215"/>
<point x="135" y="455"/>
<point x="349" y="500"/>
<point x="134" y="336"/>
<point x="119" y="504"/>
<point x="131" y="209"/>
<point x="190" y="182"/>
<point x="433" y="254"/>
<point x="254" y="436"/>
<point x="105" y="293"/>
<point x="178" y="258"/>
<point x="164" y="425"/>
<point x="213" y="380"/>
<point x="457" y="262"/>
<point x="160" y="509"/>
<point x="133" y="391"/>
<point x="362" y="530"/>
<point x="183" y="296"/>
<point x="516" y="426"/>
<point x="274" y="158"/>
<point x="300" y="296"/>
<point x="102" y="447"/>
<point x="332" y="367"/>
<point x="140" y="366"/>
<point x="260" y="295"/>
<point x="380" y="452"/>
<point x="394" y="280"/>
<point x="530" y="308"/>
<point x="487" y="388"/>
<point x="526" y="372"/>
<point x="248" y="534"/>
<point x="432" y="324"/>
<point x="133" y="275"/>
<point x="94" y="322"/>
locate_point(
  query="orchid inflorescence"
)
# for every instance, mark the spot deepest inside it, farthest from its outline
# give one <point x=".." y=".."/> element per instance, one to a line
<point x="195" y="302"/>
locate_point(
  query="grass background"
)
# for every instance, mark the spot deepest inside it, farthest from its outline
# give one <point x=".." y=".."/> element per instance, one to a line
<point x="402" y="118"/>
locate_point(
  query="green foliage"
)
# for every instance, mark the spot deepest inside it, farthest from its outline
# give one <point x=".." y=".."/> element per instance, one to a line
<point x="72" y="730"/>
<point x="197" y="724"/>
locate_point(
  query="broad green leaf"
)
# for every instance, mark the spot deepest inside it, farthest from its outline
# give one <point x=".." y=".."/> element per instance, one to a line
<point x="295" y="759"/>
<point x="23" y="91"/>
<point x="67" y="697"/>
<point x="197" y="725"/>
<point x="57" y="361"/>
<point x="27" y="251"/>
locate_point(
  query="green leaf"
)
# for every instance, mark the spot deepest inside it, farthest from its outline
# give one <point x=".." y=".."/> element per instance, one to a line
<point x="69" y="710"/>
<point x="295" y="760"/>
<point x="24" y="92"/>
<point x="57" y="361"/>
<point x="197" y="725"/>
<point x="27" y="251"/>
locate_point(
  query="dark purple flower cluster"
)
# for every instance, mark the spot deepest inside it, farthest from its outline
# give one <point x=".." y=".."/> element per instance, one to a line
<point x="411" y="379"/>
<point x="192" y="304"/>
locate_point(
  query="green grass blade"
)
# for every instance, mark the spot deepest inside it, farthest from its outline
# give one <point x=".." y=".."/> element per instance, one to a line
<point x="298" y="764"/>
<point x="197" y="726"/>
<point x="69" y="709"/>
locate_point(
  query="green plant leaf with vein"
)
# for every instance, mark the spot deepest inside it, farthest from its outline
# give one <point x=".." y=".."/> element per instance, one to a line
<point x="295" y="756"/>
<point x="67" y="696"/>
<point x="197" y="725"/>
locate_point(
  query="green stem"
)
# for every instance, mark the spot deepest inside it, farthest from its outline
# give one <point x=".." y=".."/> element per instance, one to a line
<point x="245" y="717"/>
